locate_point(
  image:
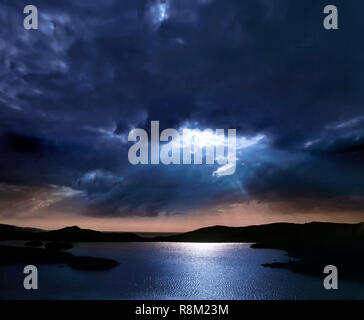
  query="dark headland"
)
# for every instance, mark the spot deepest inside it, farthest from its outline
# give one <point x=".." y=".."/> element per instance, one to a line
<point x="315" y="244"/>
<point x="12" y="254"/>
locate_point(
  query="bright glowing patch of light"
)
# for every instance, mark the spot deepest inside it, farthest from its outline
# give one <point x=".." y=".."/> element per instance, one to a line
<point x="310" y="143"/>
<point x="208" y="138"/>
<point x="346" y="124"/>
<point x="159" y="12"/>
<point x="244" y="142"/>
<point x="193" y="139"/>
<point x="163" y="14"/>
<point x="203" y="249"/>
<point x="221" y="171"/>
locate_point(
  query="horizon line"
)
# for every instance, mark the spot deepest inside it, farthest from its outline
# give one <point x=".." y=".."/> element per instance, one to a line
<point x="179" y="232"/>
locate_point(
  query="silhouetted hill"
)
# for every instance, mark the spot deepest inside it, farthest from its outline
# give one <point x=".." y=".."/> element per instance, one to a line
<point x="9" y="232"/>
<point x="317" y="244"/>
<point x="277" y="232"/>
<point x="66" y="234"/>
<point x="8" y="227"/>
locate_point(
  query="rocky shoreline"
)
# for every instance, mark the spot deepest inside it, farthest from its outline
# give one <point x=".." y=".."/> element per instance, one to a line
<point x="311" y="258"/>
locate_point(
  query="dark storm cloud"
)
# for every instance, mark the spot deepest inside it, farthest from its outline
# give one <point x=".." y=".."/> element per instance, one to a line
<point x="71" y="92"/>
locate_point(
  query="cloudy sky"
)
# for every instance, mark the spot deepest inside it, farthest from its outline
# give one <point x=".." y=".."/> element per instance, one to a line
<point x="71" y="92"/>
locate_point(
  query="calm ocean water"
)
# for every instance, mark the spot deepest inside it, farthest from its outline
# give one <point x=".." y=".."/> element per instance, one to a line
<point x="174" y="271"/>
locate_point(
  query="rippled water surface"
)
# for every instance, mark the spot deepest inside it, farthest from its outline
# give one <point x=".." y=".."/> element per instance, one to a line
<point x="174" y="271"/>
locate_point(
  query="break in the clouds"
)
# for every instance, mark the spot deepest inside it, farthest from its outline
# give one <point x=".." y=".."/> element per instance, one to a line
<point x="71" y="92"/>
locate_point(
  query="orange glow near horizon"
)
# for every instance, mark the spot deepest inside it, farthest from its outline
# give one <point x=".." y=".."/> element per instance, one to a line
<point x="232" y="215"/>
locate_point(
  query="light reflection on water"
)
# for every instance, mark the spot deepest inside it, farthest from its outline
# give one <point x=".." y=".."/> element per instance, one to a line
<point x="173" y="271"/>
<point x="201" y="249"/>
